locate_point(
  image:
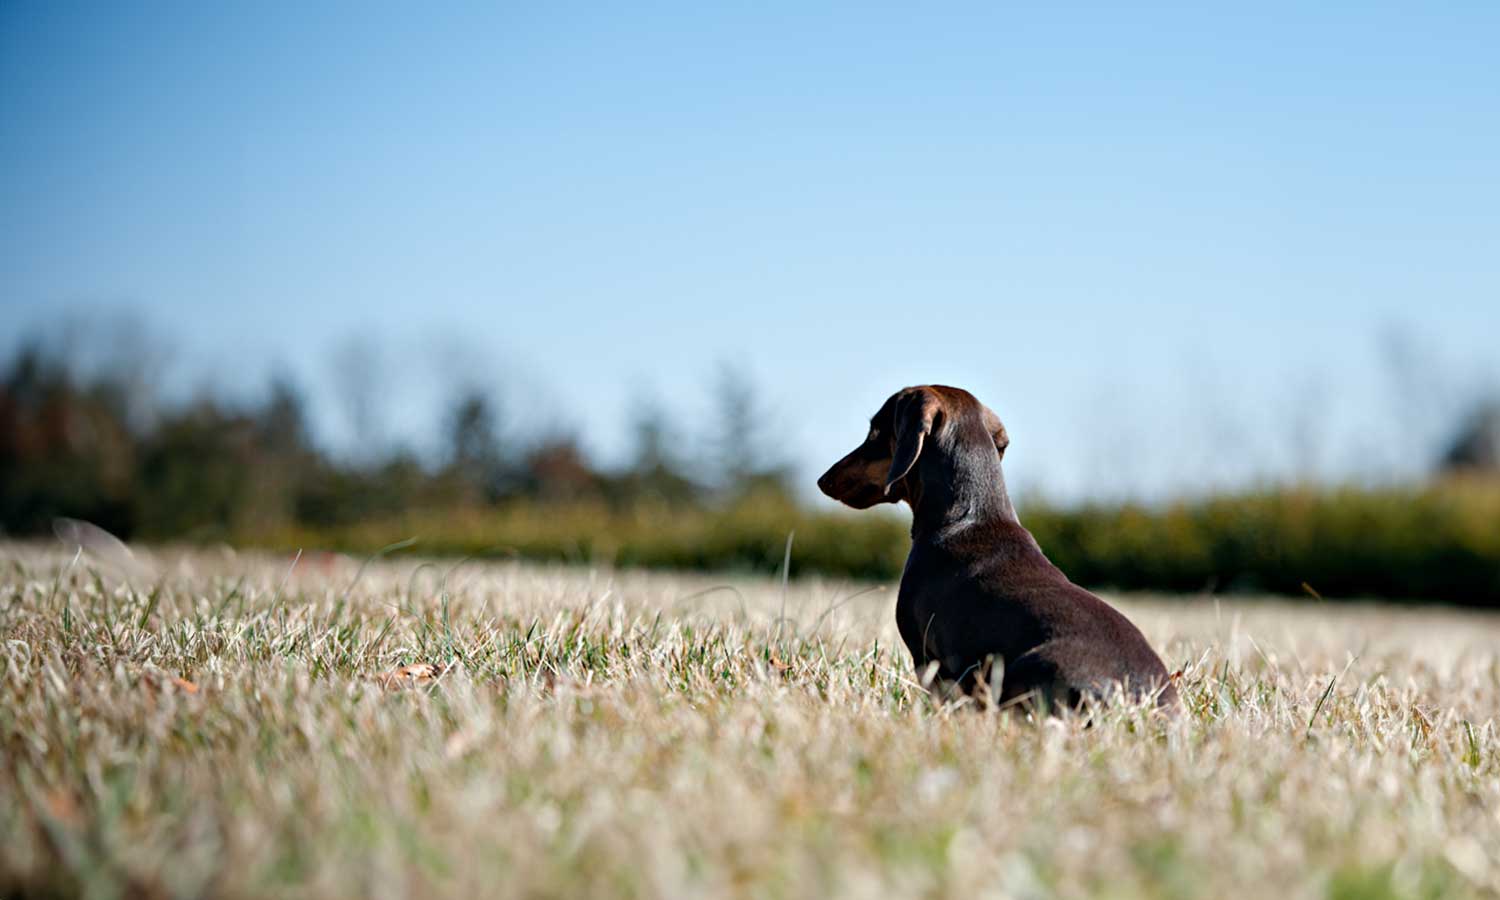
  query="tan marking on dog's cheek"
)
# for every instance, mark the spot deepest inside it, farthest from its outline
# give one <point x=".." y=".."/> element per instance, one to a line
<point x="850" y="476"/>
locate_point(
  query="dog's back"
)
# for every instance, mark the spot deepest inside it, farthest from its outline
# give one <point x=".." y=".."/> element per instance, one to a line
<point x="994" y="596"/>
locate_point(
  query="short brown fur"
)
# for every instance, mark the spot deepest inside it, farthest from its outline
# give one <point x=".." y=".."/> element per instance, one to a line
<point x="977" y="588"/>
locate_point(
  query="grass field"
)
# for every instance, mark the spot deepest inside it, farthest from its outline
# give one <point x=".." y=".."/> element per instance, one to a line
<point x="503" y="729"/>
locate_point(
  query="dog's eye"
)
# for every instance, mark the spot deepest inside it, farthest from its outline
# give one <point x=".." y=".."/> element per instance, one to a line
<point x="873" y="435"/>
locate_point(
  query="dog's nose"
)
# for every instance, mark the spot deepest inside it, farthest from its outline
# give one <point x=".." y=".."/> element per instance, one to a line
<point x="825" y="483"/>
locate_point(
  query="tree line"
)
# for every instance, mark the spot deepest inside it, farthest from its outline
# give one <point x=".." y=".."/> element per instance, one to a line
<point x="100" y="443"/>
<point x="100" y="446"/>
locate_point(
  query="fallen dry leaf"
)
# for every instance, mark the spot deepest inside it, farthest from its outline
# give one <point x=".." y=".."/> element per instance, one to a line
<point x="408" y="676"/>
<point x="63" y="807"/>
<point x="160" y="680"/>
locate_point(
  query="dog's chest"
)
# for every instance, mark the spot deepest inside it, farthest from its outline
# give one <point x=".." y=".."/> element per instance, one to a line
<point x="930" y="608"/>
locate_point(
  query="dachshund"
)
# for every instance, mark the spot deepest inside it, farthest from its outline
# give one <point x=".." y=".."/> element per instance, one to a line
<point x="977" y="590"/>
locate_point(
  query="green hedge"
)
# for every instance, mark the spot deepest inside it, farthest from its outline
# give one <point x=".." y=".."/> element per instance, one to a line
<point x="1436" y="543"/>
<point x="1440" y="543"/>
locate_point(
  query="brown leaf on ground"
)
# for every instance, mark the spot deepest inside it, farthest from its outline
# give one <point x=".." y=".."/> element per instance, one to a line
<point x="161" y="680"/>
<point x="63" y="807"/>
<point x="410" y="676"/>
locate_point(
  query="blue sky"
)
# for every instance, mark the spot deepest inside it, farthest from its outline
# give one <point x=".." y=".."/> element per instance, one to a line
<point x="1174" y="247"/>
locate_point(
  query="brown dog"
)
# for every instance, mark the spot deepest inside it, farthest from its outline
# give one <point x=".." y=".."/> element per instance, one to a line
<point x="977" y="588"/>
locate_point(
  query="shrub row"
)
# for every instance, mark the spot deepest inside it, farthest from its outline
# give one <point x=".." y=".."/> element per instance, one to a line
<point x="1437" y="543"/>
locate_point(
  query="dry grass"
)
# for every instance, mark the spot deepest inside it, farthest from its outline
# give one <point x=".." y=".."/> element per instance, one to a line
<point x="242" y="731"/>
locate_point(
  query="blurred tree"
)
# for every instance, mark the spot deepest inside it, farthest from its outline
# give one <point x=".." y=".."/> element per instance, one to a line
<point x="657" y="472"/>
<point x="65" y="449"/>
<point x="357" y="378"/>
<point x="556" y="470"/>
<point x="475" y="461"/>
<point x="1426" y="398"/>
<point x="284" y="459"/>
<point x="196" y="475"/>
<point x="652" y="433"/>
<point x="343" y="495"/>
<point x="282" y="423"/>
<point x="744" y="459"/>
<point x="120" y="352"/>
<point x="399" y="485"/>
<point x="1476" y="447"/>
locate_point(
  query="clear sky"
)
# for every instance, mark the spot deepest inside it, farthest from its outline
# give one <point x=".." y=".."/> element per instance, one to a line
<point x="1172" y="246"/>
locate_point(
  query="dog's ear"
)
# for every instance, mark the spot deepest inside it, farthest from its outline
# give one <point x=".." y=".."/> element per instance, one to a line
<point x="916" y="412"/>
<point x="996" y="430"/>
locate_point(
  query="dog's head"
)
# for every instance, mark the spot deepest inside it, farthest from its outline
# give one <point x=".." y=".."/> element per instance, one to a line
<point x="931" y="419"/>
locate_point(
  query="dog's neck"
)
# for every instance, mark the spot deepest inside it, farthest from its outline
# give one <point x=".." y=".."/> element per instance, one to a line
<point x="954" y="491"/>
